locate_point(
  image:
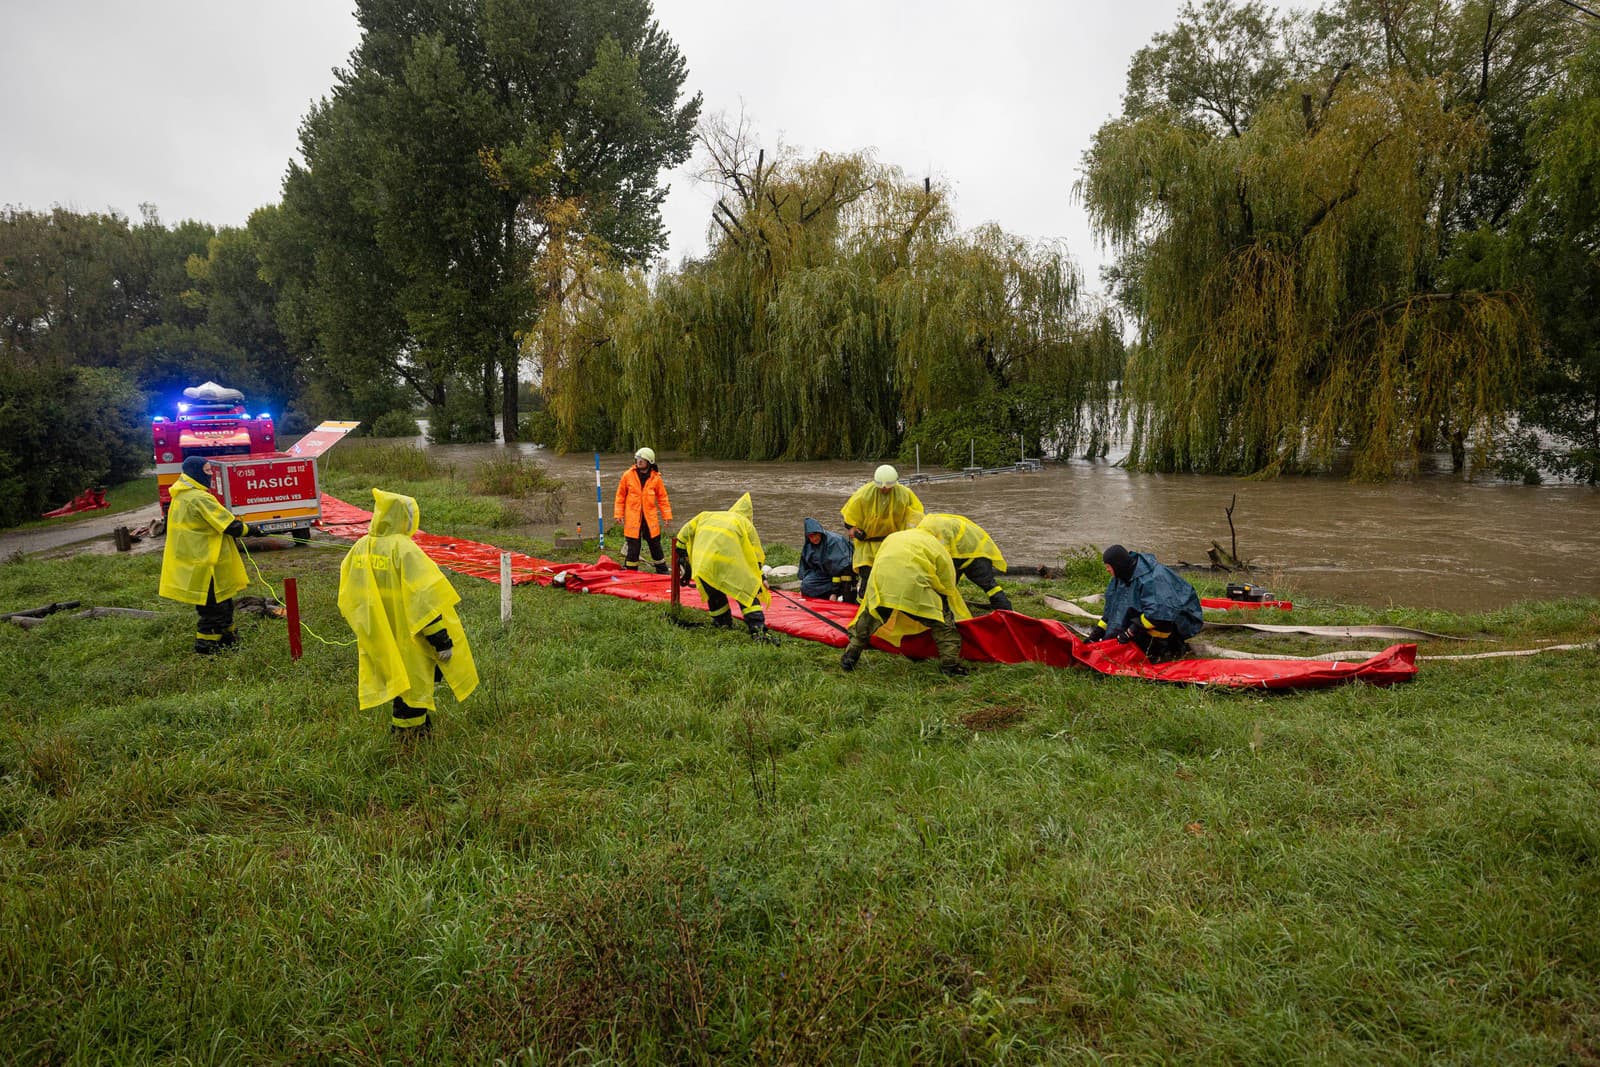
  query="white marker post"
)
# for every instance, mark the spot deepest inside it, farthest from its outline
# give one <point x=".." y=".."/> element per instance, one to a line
<point x="505" y="589"/>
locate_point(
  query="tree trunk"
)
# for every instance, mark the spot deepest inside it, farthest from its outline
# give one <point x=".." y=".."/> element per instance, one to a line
<point x="488" y="395"/>
<point x="508" y="390"/>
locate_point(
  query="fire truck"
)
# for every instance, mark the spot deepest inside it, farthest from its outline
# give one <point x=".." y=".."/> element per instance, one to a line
<point x="211" y="421"/>
<point x="275" y="492"/>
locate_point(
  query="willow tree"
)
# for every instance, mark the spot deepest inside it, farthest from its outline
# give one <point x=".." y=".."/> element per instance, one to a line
<point x="1285" y="221"/>
<point x="837" y="309"/>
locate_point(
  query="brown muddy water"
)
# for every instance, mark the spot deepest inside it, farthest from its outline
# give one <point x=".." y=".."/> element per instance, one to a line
<point x="1439" y="542"/>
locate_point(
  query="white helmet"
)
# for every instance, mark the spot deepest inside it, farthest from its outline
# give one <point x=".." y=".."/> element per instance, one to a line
<point x="885" y="476"/>
<point x="646" y="454"/>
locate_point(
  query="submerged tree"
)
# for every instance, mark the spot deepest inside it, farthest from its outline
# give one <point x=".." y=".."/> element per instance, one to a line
<point x="1286" y="247"/>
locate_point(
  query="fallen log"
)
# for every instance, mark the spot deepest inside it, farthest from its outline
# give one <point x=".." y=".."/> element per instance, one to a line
<point x="41" y="612"/>
<point x="132" y="613"/>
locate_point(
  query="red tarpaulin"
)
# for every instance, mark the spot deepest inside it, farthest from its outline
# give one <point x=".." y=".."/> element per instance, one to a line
<point x="999" y="637"/>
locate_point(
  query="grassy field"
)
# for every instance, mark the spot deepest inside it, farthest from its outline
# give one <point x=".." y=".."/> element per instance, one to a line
<point x="641" y="843"/>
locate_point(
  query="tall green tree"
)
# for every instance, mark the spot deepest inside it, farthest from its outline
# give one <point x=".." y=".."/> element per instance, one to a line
<point x="423" y="196"/>
<point x="1285" y="196"/>
<point x="837" y="312"/>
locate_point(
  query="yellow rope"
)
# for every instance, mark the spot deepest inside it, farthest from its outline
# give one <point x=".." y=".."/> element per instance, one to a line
<point x="282" y="599"/>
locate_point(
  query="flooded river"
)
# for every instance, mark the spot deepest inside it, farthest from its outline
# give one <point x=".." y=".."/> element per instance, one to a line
<point x="1438" y="542"/>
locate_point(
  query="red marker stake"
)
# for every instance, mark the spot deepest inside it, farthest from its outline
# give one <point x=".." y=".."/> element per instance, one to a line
<point x="291" y="594"/>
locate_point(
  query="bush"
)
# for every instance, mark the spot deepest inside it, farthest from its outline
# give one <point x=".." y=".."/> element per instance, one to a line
<point x="954" y="438"/>
<point x="461" y="420"/>
<point x="397" y="423"/>
<point x="517" y="476"/>
<point x="538" y="427"/>
<point x="64" y="429"/>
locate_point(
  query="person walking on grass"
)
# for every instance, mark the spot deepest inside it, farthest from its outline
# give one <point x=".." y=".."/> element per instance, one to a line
<point x="402" y="609"/>
<point x="200" y="563"/>
<point x="973" y="551"/>
<point x="721" y="553"/>
<point x="643" y="509"/>
<point x="879" y="508"/>
<point x="912" y="588"/>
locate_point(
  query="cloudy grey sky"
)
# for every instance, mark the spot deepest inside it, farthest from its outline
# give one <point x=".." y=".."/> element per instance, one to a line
<point x="193" y="105"/>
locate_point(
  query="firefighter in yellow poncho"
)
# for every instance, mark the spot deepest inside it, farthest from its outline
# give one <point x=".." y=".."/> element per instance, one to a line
<point x="881" y="507"/>
<point x="200" y="562"/>
<point x="912" y="588"/>
<point x="973" y="551"/>
<point x="721" y="553"/>
<point x="402" y="609"/>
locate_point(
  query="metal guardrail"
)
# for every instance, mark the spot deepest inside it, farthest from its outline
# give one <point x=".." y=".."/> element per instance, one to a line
<point x="1025" y="466"/>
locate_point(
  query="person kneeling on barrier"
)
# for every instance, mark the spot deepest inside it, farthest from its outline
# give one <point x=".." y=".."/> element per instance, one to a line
<point x="1148" y="604"/>
<point x="973" y="551"/>
<point x="720" y="552"/>
<point x="402" y="609"/>
<point x="912" y="588"/>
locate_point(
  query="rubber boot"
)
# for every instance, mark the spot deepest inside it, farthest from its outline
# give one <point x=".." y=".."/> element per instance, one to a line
<point x="947" y="639"/>
<point x="660" y="566"/>
<point x="852" y="654"/>
<point x="755" y="623"/>
<point x="723" y="621"/>
<point x="998" y="601"/>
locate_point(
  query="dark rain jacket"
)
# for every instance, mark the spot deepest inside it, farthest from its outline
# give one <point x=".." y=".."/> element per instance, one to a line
<point x="1157" y="592"/>
<point x="820" y="564"/>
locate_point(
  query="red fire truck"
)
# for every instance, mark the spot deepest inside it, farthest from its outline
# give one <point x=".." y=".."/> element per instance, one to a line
<point x="211" y="421"/>
<point x="276" y="492"/>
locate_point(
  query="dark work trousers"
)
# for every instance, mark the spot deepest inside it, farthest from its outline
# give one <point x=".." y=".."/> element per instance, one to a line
<point x="946" y="638"/>
<point x="862" y="573"/>
<point x="755" y="620"/>
<point x="632" y="543"/>
<point x="981" y="573"/>
<point x="214" y="630"/>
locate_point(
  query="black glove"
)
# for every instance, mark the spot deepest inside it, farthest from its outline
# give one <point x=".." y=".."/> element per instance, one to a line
<point x="685" y="573"/>
<point x="1124" y="636"/>
<point x="442" y="645"/>
<point x="857" y="533"/>
<point x="1096" y="634"/>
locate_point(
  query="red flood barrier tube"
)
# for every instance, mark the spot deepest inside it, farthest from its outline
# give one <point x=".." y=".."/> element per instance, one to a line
<point x="1222" y="604"/>
<point x="998" y="637"/>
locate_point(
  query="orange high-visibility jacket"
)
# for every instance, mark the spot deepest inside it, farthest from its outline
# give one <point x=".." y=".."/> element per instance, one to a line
<point x="648" y="500"/>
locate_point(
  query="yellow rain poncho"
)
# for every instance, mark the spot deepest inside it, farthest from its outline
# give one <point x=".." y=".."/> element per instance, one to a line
<point x="196" y="553"/>
<point x="389" y="591"/>
<point x="880" y="514"/>
<point x="963" y="538"/>
<point x="724" y="551"/>
<point x="912" y="573"/>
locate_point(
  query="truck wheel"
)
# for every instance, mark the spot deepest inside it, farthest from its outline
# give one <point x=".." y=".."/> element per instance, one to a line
<point x="302" y="534"/>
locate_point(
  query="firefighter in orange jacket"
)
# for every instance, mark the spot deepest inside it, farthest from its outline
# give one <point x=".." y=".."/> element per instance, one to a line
<point x="642" y="507"/>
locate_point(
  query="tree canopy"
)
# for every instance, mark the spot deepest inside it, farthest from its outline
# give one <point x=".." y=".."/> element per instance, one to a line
<point x="1287" y="197"/>
<point x="423" y="201"/>
<point x="836" y="313"/>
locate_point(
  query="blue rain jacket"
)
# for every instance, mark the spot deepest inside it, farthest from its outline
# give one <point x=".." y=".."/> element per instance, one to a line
<point x="1157" y="592"/>
<point x="821" y="564"/>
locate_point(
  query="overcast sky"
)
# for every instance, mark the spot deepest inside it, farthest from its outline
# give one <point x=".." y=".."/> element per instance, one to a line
<point x="194" y="106"/>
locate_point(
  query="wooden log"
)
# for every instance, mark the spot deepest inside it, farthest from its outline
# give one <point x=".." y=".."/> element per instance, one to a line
<point x="42" y="611"/>
<point x="132" y="613"/>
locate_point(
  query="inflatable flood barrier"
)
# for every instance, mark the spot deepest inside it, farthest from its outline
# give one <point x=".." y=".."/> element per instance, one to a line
<point x="999" y="637"/>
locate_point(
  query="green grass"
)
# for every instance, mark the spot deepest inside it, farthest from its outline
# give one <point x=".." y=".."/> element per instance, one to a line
<point x="641" y="843"/>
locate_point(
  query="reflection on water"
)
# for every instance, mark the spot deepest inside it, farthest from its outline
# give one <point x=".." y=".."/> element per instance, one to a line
<point x="1435" y="543"/>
